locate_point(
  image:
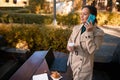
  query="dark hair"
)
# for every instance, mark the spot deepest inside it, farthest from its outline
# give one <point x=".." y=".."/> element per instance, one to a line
<point x="93" y="10"/>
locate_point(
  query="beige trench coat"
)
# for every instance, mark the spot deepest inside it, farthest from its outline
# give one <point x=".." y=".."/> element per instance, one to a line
<point x="82" y="58"/>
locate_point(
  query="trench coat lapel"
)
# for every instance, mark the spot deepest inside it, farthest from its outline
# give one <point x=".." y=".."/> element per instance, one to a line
<point x="78" y="31"/>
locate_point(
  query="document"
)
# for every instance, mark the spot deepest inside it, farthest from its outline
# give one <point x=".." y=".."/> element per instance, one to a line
<point x="43" y="76"/>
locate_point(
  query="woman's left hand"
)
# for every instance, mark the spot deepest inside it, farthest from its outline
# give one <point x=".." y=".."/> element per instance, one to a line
<point x="89" y="26"/>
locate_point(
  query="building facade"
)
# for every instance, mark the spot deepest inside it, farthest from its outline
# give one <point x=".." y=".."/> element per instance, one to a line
<point x="14" y="3"/>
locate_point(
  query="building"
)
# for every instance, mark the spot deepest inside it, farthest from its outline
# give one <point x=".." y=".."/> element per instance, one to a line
<point x="14" y="3"/>
<point x="63" y="7"/>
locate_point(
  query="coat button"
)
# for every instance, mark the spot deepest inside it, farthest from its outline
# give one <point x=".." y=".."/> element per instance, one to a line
<point x="88" y="36"/>
<point x="81" y="59"/>
<point x="76" y="52"/>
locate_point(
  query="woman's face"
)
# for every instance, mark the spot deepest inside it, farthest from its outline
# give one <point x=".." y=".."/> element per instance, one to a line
<point x="84" y="15"/>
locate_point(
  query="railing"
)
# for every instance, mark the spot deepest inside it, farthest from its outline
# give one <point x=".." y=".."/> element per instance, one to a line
<point x="40" y="62"/>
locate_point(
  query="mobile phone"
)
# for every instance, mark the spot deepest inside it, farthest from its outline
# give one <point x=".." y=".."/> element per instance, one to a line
<point x="91" y="18"/>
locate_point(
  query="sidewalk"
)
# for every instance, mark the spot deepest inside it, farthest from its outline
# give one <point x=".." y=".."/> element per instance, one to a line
<point x="105" y="55"/>
<point x="111" y="40"/>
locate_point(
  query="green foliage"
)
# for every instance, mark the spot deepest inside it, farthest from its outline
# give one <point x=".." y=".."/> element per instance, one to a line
<point x="70" y="19"/>
<point x="21" y="11"/>
<point x="36" y="5"/>
<point x="108" y="18"/>
<point x="114" y="19"/>
<point x="38" y="37"/>
<point x="25" y="18"/>
<point x="102" y="18"/>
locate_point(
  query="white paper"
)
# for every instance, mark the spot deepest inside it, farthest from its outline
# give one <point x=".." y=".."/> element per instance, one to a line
<point x="71" y="44"/>
<point x="40" y="77"/>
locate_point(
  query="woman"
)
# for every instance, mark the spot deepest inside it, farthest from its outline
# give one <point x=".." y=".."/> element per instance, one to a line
<point x="82" y="44"/>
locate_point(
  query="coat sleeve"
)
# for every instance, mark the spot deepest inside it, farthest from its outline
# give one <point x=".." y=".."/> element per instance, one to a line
<point x="94" y="40"/>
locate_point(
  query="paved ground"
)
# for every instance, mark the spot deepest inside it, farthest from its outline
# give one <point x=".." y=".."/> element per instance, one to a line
<point x="111" y="41"/>
<point x="109" y="51"/>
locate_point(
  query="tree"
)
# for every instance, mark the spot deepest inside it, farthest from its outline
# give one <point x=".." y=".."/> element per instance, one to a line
<point x="114" y="6"/>
<point x="77" y="4"/>
<point x="36" y="5"/>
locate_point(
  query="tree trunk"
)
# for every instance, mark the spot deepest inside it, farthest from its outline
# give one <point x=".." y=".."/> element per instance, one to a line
<point x="83" y="2"/>
<point x="114" y="6"/>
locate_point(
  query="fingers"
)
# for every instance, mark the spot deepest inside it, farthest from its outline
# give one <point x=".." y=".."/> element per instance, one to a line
<point x="86" y="24"/>
<point x="89" y="26"/>
<point x="70" y="48"/>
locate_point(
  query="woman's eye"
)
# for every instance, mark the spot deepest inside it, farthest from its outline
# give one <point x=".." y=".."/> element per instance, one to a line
<point x="85" y="14"/>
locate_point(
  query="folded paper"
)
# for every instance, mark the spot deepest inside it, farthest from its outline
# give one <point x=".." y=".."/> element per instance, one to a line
<point x="43" y="76"/>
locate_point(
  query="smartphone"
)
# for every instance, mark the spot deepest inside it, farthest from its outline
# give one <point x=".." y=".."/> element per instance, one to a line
<point x="91" y="18"/>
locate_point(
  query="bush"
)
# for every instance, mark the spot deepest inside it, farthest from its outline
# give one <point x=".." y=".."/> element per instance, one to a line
<point x="21" y="11"/>
<point x="38" y="37"/>
<point x="70" y="19"/>
<point x="25" y="18"/>
<point x="102" y="18"/>
<point x="114" y="19"/>
<point x="108" y="18"/>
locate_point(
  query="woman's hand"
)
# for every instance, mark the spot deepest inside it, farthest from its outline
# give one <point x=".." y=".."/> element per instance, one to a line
<point x="70" y="48"/>
<point x="89" y="26"/>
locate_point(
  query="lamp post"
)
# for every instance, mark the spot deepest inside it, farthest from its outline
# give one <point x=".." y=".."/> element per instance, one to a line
<point x="54" y="15"/>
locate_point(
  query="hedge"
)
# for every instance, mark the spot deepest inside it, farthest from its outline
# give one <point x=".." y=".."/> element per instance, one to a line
<point x="104" y="18"/>
<point x="38" y="37"/>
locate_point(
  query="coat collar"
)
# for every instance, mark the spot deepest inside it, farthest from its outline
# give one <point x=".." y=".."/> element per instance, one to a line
<point x="79" y="28"/>
<point x="78" y="31"/>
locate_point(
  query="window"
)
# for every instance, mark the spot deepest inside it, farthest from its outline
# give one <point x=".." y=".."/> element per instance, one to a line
<point x="14" y="1"/>
<point x="102" y="4"/>
<point x="25" y="2"/>
<point x="7" y="0"/>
